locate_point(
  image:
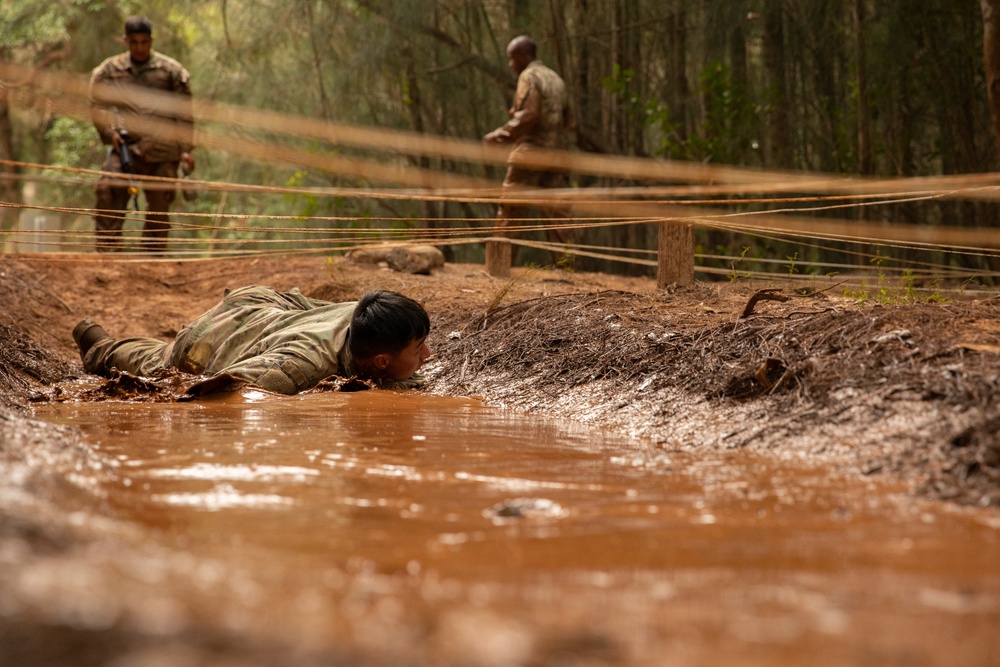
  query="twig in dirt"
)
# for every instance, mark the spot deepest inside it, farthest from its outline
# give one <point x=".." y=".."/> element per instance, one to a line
<point x="494" y="304"/>
<point x="762" y="295"/>
<point x="810" y="312"/>
<point x="42" y="288"/>
<point x="820" y="291"/>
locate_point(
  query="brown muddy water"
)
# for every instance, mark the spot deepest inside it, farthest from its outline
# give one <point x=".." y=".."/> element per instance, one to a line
<point x="385" y="528"/>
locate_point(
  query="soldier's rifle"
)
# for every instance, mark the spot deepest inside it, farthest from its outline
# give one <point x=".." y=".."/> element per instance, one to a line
<point x="125" y="158"/>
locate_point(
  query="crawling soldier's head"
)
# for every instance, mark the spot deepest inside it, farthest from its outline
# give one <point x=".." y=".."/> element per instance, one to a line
<point x="388" y="336"/>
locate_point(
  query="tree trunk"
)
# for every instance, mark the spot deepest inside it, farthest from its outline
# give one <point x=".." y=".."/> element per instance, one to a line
<point x="680" y="107"/>
<point x="675" y="254"/>
<point x="10" y="189"/>
<point x="431" y="211"/>
<point x="626" y="129"/>
<point x="865" y="159"/>
<point x="991" y="56"/>
<point x="779" y="143"/>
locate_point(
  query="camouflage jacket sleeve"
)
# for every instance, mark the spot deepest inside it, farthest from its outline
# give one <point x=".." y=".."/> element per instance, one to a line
<point x="279" y="371"/>
<point x="101" y="114"/>
<point x="524" y="113"/>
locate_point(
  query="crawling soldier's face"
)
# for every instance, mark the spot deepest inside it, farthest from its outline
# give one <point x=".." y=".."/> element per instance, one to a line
<point x="403" y="365"/>
<point x="139" y="45"/>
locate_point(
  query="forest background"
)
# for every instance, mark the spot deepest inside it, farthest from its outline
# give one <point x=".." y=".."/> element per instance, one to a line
<point x="892" y="88"/>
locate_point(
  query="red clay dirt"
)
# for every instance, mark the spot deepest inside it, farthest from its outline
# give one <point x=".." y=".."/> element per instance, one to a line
<point x="907" y="391"/>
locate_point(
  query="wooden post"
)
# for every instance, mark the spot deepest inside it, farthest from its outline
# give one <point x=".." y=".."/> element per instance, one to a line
<point x="498" y="258"/>
<point x="675" y="258"/>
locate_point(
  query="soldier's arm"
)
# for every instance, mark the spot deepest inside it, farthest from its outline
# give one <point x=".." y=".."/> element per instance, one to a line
<point x="100" y="112"/>
<point x="280" y="372"/>
<point x="182" y="86"/>
<point x="524" y="114"/>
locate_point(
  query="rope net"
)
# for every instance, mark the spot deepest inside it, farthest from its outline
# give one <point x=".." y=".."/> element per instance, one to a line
<point x="835" y="226"/>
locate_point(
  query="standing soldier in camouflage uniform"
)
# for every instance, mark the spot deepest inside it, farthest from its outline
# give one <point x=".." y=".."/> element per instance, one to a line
<point x="537" y="119"/>
<point x="116" y="93"/>
<point x="282" y="341"/>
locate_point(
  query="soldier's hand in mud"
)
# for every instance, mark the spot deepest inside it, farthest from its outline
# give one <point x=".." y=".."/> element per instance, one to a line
<point x="223" y="383"/>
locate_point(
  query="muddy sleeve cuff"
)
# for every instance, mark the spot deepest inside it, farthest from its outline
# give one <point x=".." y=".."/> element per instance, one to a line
<point x="280" y="373"/>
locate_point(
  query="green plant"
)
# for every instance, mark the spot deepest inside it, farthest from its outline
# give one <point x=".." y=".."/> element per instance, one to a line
<point x="888" y="294"/>
<point x="792" y="268"/>
<point x="566" y="262"/>
<point x="734" y="275"/>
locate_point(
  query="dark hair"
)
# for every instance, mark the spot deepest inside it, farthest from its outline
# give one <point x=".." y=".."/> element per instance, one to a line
<point x="138" y="24"/>
<point x="385" y="321"/>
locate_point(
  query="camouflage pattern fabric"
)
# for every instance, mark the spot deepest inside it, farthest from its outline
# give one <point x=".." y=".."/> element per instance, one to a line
<point x="160" y="72"/>
<point x="282" y="341"/>
<point x="542" y="101"/>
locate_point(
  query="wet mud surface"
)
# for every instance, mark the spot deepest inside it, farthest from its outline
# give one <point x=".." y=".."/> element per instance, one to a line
<point x="812" y="478"/>
<point x="382" y="528"/>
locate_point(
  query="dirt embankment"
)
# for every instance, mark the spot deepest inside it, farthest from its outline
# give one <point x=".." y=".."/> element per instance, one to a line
<point x="907" y="391"/>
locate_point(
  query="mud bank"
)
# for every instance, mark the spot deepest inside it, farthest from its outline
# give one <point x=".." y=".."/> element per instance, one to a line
<point x="903" y="391"/>
<point x="863" y="399"/>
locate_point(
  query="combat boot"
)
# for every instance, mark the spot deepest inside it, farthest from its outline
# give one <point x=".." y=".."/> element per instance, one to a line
<point x="86" y="333"/>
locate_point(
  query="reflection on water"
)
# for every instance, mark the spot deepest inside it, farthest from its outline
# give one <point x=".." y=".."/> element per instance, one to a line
<point x="542" y="532"/>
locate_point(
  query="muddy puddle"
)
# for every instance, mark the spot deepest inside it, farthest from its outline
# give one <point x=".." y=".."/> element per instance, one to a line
<point x="384" y="528"/>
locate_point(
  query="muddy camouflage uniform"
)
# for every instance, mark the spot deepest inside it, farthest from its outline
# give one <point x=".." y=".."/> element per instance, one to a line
<point x="151" y="156"/>
<point x="282" y="341"/>
<point x="538" y="118"/>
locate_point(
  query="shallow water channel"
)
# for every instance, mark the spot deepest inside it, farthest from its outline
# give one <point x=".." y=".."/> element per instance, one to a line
<point x="400" y="528"/>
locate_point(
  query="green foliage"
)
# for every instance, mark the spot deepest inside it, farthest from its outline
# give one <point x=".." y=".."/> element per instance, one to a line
<point x="727" y="133"/>
<point x="903" y="291"/>
<point x="72" y="142"/>
<point x="24" y="23"/>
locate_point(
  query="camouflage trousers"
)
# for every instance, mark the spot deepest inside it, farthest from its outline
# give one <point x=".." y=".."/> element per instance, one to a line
<point x="518" y="178"/>
<point x="113" y="199"/>
<point x="138" y="356"/>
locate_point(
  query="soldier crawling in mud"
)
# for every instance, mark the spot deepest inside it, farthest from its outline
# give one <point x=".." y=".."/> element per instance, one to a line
<point x="116" y="95"/>
<point x="537" y="118"/>
<point x="284" y="342"/>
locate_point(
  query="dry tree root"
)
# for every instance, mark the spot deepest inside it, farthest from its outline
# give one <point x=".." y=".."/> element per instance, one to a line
<point x="763" y="295"/>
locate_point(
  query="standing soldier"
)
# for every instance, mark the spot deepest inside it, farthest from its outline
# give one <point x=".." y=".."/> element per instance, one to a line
<point x="116" y="97"/>
<point x="537" y="119"/>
